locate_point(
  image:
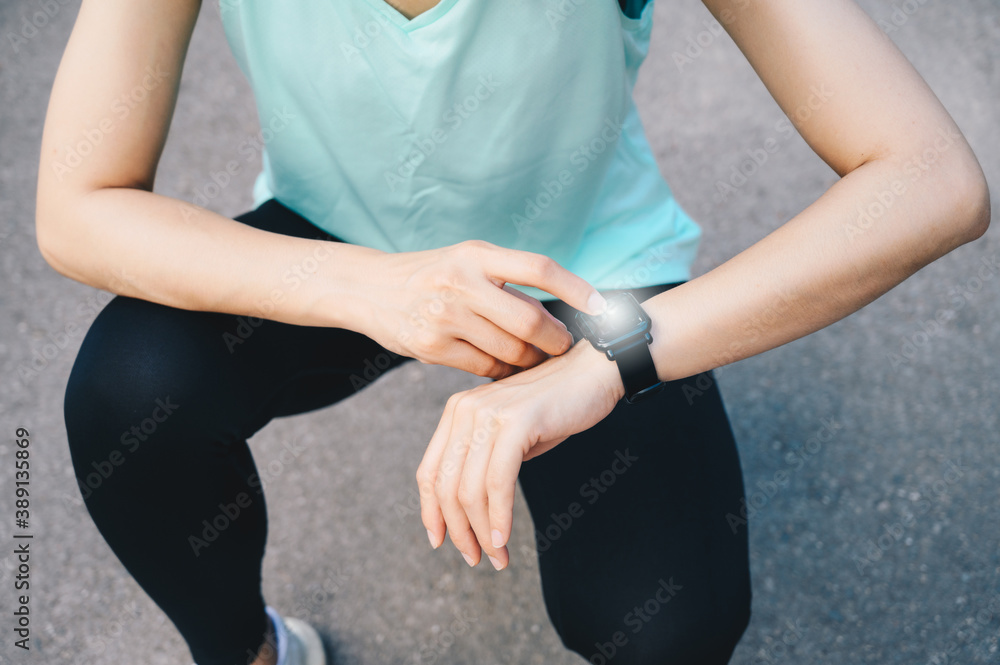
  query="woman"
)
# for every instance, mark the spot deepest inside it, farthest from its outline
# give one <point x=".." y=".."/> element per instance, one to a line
<point x="454" y="182"/>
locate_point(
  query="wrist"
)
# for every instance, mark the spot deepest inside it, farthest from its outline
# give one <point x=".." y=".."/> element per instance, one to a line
<point x="665" y="311"/>
<point x="605" y="372"/>
<point x="623" y="335"/>
<point x="332" y="295"/>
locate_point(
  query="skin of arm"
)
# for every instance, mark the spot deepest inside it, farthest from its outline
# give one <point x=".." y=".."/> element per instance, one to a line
<point x="97" y="219"/>
<point x="99" y="222"/>
<point x="900" y="156"/>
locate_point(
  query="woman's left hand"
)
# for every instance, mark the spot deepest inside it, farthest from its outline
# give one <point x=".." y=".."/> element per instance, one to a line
<point x="468" y="475"/>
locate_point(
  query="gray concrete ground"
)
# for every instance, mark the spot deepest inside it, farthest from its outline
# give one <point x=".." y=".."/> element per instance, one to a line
<point x="841" y="574"/>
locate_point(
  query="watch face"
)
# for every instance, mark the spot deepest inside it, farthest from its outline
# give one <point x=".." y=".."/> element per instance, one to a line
<point x="622" y="320"/>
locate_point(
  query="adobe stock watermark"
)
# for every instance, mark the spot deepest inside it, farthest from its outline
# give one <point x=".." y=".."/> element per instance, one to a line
<point x="703" y="40"/>
<point x="443" y="639"/>
<point x="967" y="629"/>
<point x="319" y="595"/>
<point x="34" y="21"/>
<point x="766" y="490"/>
<point x="226" y="513"/>
<point x="581" y="158"/>
<point x="560" y="12"/>
<point x="428" y="484"/>
<point x="591" y="491"/>
<point x="121" y="109"/>
<point x="364" y="35"/>
<point x="752" y="329"/>
<point x="654" y="258"/>
<point x="131" y="439"/>
<point x="57" y="342"/>
<point x="873" y="549"/>
<point x="113" y="630"/>
<point x="901" y="15"/>
<point x="290" y="451"/>
<point x="777" y="651"/>
<point x="374" y="368"/>
<point x="418" y="324"/>
<point x="743" y="171"/>
<point x="959" y="296"/>
<point x="454" y="117"/>
<point x="249" y="148"/>
<point x="296" y="275"/>
<point x="915" y="168"/>
<point x="429" y="479"/>
<point x="41" y="356"/>
<point x="636" y="619"/>
<point x="699" y="384"/>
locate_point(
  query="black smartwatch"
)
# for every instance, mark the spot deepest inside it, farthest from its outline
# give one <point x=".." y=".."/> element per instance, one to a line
<point x="622" y="333"/>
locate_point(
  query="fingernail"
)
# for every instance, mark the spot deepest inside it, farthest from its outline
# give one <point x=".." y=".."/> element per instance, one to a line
<point x="468" y="559"/>
<point x="497" y="538"/>
<point x="430" y="537"/>
<point x="495" y="562"/>
<point x="596" y="304"/>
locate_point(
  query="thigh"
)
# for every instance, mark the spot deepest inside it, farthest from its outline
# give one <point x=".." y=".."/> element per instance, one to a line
<point x="305" y="367"/>
<point x="636" y="553"/>
<point x="235" y="372"/>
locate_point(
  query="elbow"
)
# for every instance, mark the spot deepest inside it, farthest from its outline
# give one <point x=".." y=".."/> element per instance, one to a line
<point x="971" y="208"/>
<point x="956" y="206"/>
<point x="43" y="227"/>
<point x="984" y="212"/>
<point x="43" y="237"/>
<point x="48" y="233"/>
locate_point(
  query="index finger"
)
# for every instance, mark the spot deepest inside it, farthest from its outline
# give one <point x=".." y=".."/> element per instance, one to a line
<point x="524" y="318"/>
<point x="501" y="483"/>
<point x="542" y="272"/>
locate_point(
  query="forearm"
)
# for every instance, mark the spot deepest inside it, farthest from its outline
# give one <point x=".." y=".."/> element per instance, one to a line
<point x="135" y="243"/>
<point x="825" y="263"/>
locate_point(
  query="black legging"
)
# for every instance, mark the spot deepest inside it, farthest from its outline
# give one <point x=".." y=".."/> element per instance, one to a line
<point x="639" y="563"/>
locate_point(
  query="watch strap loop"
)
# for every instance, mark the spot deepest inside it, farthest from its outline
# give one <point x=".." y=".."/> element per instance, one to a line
<point x="635" y="364"/>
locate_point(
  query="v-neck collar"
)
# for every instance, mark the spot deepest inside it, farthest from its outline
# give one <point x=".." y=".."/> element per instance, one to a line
<point x="420" y="20"/>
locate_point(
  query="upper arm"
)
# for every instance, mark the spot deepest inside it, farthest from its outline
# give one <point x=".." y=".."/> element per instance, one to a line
<point x="112" y="99"/>
<point x="852" y="95"/>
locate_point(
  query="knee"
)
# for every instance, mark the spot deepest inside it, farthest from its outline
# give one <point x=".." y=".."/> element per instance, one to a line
<point x="118" y="371"/>
<point x="673" y="626"/>
<point x="125" y="388"/>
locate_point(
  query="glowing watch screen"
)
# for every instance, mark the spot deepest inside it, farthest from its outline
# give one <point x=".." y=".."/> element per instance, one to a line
<point x="619" y="318"/>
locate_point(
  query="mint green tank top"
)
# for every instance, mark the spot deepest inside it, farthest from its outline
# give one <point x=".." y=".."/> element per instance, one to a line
<point x="510" y="121"/>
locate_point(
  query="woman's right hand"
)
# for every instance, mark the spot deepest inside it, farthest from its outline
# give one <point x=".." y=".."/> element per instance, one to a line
<point x="99" y="222"/>
<point x="452" y="306"/>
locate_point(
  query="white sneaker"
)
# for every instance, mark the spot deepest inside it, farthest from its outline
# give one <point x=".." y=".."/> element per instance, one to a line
<point x="298" y="642"/>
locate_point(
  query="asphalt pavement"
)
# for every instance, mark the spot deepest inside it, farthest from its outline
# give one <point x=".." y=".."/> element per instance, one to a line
<point x="870" y="449"/>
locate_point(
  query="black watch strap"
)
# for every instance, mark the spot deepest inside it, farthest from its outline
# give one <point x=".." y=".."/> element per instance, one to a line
<point x="635" y="363"/>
